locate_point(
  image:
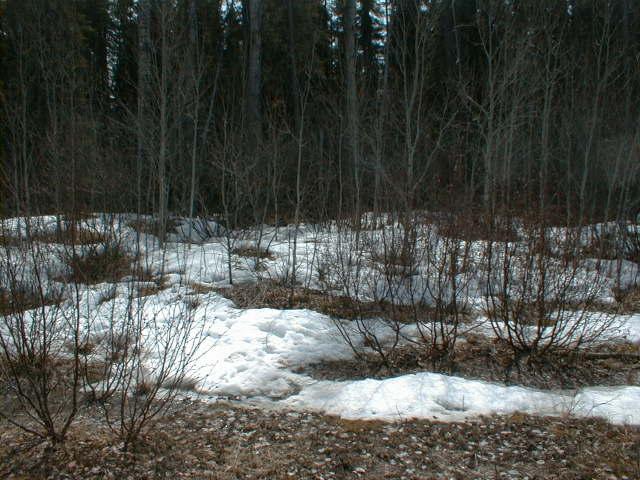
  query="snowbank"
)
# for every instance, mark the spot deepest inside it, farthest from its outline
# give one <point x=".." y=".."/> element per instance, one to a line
<point x="441" y="397"/>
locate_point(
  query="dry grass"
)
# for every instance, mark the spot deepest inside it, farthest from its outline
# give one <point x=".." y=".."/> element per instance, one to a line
<point x="267" y="294"/>
<point x="107" y="265"/>
<point x="72" y="236"/>
<point x="13" y="301"/>
<point x="224" y="442"/>
<point x="152" y="286"/>
<point x="530" y="314"/>
<point x="152" y="226"/>
<point x="628" y="299"/>
<point x="475" y="227"/>
<point x="8" y="240"/>
<point x="480" y="358"/>
<point x="253" y="252"/>
<point x="55" y="370"/>
<point x="109" y="295"/>
<point x="183" y="383"/>
<point x="612" y="245"/>
<point x="201" y="289"/>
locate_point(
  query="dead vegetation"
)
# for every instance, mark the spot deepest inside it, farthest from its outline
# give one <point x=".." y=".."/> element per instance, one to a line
<point x="269" y="294"/>
<point x="9" y="240"/>
<point x="480" y="358"/>
<point x="628" y="299"/>
<point x="476" y="356"/>
<point x="152" y="226"/>
<point x="474" y="226"/>
<point x="17" y="300"/>
<point x="222" y="441"/>
<point x="201" y="288"/>
<point x="107" y="264"/>
<point x="614" y="244"/>
<point x="253" y="252"/>
<point x="72" y="235"/>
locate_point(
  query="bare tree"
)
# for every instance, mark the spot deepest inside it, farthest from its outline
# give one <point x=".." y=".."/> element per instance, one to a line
<point x="254" y="11"/>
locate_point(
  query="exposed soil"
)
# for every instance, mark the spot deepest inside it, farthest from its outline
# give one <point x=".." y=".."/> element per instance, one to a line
<point x="223" y="441"/>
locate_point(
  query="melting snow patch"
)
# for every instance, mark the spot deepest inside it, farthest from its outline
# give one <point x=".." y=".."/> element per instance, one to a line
<point x="441" y="397"/>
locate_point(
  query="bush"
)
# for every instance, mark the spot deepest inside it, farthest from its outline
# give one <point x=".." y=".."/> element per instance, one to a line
<point x="539" y="303"/>
<point x="102" y="263"/>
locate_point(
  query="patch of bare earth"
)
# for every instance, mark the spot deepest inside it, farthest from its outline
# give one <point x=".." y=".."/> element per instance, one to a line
<point x="222" y="441"/>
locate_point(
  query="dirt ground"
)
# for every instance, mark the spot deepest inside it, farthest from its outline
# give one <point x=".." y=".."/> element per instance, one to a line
<point x="226" y="441"/>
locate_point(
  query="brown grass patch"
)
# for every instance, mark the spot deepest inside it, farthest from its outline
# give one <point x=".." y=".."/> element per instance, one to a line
<point x="472" y="228"/>
<point x="14" y="301"/>
<point x="227" y="442"/>
<point x="201" y="288"/>
<point x="152" y="286"/>
<point x="184" y="384"/>
<point x="72" y="236"/>
<point x="612" y="245"/>
<point x="253" y="252"/>
<point x="482" y="358"/>
<point x="152" y="226"/>
<point x="524" y="315"/>
<point x="107" y="265"/>
<point x="628" y="299"/>
<point x="57" y="371"/>
<point x="268" y="294"/>
<point x="8" y="240"/>
<point x="148" y="290"/>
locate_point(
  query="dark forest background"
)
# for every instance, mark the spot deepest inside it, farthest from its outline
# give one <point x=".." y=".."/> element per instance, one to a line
<point x="266" y="110"/>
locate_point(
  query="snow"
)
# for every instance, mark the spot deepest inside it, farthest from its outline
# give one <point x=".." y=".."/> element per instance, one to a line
<point x="446" y="398"/>
<point x="253" y="352"/>
<point x="260" y="353"/>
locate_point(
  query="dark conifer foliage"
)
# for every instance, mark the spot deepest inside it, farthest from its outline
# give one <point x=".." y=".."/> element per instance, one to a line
<point x="495" y="104"/>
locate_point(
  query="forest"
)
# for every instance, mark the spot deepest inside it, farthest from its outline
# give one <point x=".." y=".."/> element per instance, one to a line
<point x="320" y="239"/>
<point x="268" y="109"/>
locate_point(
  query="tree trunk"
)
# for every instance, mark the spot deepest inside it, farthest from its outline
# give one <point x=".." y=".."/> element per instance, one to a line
<point x="352" y="100"/>
<point x="143" y="87"/>
<point x="254" y="73"/>
<point x="193" y="44"/>
<point x="295" y="87"/>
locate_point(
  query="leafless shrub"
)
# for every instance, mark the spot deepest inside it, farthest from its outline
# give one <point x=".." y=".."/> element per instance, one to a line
<point x="99" y="263"/>
<point x="539" y="303"/>
<point x="448" y="266"/>
<point x="613" y="242"/>
<point x="347" y="265"/>
<point x="72" y="234"/>
<point x="146" y="353"/>
<point x="419" y="277"/>
<point x="40" y="376"/>
<point x="628" y="298"/>
<point x="255" y="252"/>
<point x="472" y="225"/>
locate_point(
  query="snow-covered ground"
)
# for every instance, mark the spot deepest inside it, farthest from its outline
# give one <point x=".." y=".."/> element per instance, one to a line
<point x="258" y="354"/>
